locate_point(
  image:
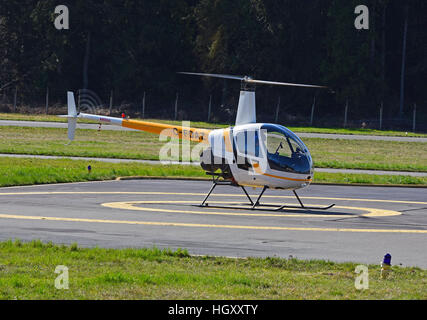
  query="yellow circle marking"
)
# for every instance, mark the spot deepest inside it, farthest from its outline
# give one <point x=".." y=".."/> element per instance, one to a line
<point x="176" y="224"/>
<point x="131" y="205"/>
<point x="200" y="194"/>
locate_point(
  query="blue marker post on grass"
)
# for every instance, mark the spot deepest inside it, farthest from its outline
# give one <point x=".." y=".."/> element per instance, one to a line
<point x="385" y="266"/>
<point x="89" y="169"/>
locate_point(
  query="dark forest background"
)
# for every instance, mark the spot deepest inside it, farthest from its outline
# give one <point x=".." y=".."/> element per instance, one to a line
<point x="134" y="47"/>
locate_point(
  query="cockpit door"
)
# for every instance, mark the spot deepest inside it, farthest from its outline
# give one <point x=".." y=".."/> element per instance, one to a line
<point x="248" y="149"/>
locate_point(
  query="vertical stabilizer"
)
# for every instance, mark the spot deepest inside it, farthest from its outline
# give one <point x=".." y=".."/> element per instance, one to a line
<point x="246" y="112"/>
<point x="72" y="116"/>
<point x="72" y="110"/>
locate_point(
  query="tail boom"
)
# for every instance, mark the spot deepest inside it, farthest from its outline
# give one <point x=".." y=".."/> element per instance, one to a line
<point x="181" y="132"/>
<point x="185" y="133"/>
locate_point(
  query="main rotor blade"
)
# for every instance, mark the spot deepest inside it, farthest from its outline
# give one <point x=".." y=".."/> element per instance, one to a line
<point x="249" y="80"/>
<point x="284" y="84"/>
<point x="222" y="76"/>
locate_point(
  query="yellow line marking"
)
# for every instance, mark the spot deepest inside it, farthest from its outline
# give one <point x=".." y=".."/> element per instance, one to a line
<point x="176" y="224"/>
<point x="202" y="194"/>
<point x="130" y="205"/>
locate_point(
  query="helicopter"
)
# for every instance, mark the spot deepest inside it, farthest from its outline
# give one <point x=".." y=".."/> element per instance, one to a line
<point x="248" y="154"/>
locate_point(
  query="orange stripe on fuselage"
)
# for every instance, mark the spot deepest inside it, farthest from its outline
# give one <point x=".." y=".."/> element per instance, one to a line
<point x="227" y="140"/>
<point x="185" y="133"/>
<point x="258" y="170"/>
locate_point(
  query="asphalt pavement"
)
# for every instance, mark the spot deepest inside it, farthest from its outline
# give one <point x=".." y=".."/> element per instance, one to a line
<point x="365" y="224"/>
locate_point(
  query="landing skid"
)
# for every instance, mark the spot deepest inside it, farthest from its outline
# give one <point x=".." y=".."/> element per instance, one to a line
<point x="256" y="205"/>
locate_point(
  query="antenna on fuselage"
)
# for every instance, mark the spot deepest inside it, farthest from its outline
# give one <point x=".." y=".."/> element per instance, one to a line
<point x="246" y="111"/>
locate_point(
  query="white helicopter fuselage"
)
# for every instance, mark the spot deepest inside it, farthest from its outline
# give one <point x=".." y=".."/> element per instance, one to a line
<point x="249" y="152"/>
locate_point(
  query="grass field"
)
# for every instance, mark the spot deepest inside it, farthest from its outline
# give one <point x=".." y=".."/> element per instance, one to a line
<point x="327" y="153"/>
<point x="27" y="272"/>
<point x="200" y="124"/>
<point x="15" y="172"/>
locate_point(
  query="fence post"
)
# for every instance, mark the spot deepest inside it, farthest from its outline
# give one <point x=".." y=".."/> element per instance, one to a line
<point x="276" y="119"/>
<point x="79" y="93"/>
<point x="111" y="102"/>
<point x="176" y="106"/>
<point x="15" y="99"/>
<point x="210" y="108"/>
<point x="414" y="118"/>
<point x="47" y="100"/>
<point x="312" y="111"/>
<point x="381" y="115"/>
<point x="345" y="114"/>
<point x="143" y="106"/>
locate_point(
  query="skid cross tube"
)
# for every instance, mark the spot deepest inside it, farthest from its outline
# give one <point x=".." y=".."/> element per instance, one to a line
<point x="216" y="182"/>
<point x="247" y="195"/>
<point x="259" y="198"/>
<point x="255" y="205"/>
<point x="210" y="191"/>
<point x="303" y="206"/>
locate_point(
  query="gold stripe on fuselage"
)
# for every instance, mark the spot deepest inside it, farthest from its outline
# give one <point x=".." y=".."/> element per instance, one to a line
<point x="185" y="133"/>
<point x="259" y="171"/>
<point x="227" y="140"/>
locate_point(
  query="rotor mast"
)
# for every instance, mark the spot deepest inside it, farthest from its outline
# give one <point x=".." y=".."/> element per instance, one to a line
<point x="246" y="111"/>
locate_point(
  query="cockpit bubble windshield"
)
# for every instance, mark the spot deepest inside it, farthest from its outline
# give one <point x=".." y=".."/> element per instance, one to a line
<point x="285" y="151"/>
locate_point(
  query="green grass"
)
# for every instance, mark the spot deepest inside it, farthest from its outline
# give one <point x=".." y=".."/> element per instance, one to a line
<point x="201" y="124"/>
<point x="344" y="178"/>
<point x="27" y="272"/>
<point x="18" y="171"/>
<point x="327" y="153"/>
<point x="368" y="154"/>
<point x="360" y="131"/>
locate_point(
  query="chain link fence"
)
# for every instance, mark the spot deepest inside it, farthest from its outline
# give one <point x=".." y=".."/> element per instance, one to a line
<point x="220" y="107"/>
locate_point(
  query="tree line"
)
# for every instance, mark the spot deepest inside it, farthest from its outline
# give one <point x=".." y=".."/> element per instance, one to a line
<point x="133" y="46"/>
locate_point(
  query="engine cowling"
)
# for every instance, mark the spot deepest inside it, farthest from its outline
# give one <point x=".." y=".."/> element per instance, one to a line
<point x="212" y="164"/>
